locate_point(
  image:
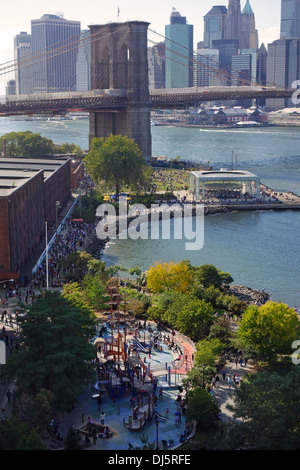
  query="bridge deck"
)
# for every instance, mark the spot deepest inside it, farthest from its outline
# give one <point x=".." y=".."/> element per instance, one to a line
<point x="117" y="99"/>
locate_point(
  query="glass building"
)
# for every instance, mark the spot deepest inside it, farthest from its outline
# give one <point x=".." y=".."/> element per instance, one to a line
<point x="206" y="68"/>
<point x="290" y="19"/>
<point x="179" y="52"/>
<point x="22" y="55"/>
<point x="283" y="68"/>
<point x="54" y="42"/>
<point x="214" y="25"/>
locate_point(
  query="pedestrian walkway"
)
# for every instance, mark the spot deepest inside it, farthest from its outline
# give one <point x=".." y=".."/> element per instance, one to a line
<point x="223" y="391"/>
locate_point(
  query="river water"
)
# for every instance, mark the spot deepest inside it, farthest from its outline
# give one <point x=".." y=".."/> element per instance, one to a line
<point x="259" y="249"/>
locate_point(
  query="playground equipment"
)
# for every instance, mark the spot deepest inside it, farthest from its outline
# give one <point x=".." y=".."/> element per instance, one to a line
<point x="137" y="343"/>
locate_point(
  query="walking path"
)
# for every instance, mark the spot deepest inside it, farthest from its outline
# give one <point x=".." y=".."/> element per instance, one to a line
<point x="223" y="392"/>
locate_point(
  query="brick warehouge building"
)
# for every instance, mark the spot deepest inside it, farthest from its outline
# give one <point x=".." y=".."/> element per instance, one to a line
<point x="29" y="189"/>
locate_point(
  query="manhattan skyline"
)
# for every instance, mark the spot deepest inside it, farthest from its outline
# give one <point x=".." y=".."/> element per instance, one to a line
<point x="17" y="16"/>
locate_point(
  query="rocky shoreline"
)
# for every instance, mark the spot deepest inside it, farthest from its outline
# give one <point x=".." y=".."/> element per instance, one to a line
<point x="248" y="295"/>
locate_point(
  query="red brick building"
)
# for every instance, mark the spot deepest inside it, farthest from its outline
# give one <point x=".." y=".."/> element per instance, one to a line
<point x="29" y="189"/>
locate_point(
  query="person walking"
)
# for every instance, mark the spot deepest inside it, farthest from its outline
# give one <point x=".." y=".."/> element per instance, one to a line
<point x="102" y="418"/>
<point x="229" y="381"/>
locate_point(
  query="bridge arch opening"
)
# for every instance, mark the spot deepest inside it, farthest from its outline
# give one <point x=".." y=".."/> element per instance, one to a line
<point x="121" y="75"/>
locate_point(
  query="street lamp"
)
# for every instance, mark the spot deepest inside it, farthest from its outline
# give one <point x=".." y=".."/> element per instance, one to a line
<point x="57" y="206"/>
<point x="157" y="424"/>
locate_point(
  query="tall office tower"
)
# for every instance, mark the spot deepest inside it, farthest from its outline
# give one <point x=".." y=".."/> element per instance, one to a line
<point x="156" y="66"/>
<point x="283" y="68"/>
<point x="83" y="63"/>
<point x="249" y="36"/>
<point x="10" y="87"/>
<point x="233" y="28"/>
<point x="290" y="19"/>
<point x="214" y="25"/>
<point x="206" y="67"/>
<point x="227" y="48"/>
<point x="262" y="65"/>
<point x="56" y="39"/>
<point x="179" y="52"/>
<point x="241" y="73"/>
<point x="22" y="55"/>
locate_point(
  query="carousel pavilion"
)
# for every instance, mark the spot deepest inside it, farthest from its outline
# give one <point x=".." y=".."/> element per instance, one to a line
<point x="224" y="184"/>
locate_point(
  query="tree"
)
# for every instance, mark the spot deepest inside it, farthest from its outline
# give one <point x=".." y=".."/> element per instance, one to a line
<point x="267" y="331"/>
<point x="56" y="352"/>
<point x="202" y="408"/>
<point x="206" y="360"/>
<point x="268" y="405"/>
<point x="116" y="160"/>
<point x="209" y="275"/>
<point x="195" y="319"/>
<point x="26" y="144"/>
<point x="170" y="276"/>
<point x="76" y="265"/>
<point x="17" y="435"/>
<point x="72" y="440"/>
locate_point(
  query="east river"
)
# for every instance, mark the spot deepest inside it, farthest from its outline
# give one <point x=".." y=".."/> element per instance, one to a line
<point x="260" y="249"/>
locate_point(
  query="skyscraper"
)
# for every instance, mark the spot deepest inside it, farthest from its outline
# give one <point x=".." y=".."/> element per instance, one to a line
<point x="179" y="52"/>
<point x="290" y="19"/>
<point x="206" y="67"/>
<point x="241" y="65"/>
<point x="214" y="25"/>
<point x="156" y="64"/>
<point x="83" y="63"/>
<point x="233" y="28"/>
<point x="249" y="33"/>
<point x="283" y="68"/>
<point x="22" y="55"/>
<point x="227" y="48"/>
<point x="57" y="39"/>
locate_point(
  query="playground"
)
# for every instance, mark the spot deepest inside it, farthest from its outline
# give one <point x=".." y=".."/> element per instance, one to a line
<point x="138" y="388"/>
<point x="137" y="398"/>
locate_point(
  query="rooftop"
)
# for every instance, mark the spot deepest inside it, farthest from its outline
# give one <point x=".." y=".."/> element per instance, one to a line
<point x="247" y="9"/>
<point x="224" y="174"/>
<point x="14" y="172"/>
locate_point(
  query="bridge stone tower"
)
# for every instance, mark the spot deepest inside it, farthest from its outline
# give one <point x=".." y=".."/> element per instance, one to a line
<point x="119" y="61"/>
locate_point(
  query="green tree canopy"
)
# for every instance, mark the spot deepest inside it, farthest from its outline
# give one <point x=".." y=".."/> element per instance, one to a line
<point x="26" y="144"/>
<point x="195" y="319"/>
<point x="116" y="160"/>
<point x="268" y="404"/>
<point x="209" y="275"/>
<point x="267" y="331"/>
<point x="55" y="352"/>
<point x="202" y="408"/>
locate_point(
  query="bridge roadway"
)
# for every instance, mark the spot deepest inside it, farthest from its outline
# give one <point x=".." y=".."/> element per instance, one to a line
<point x="114" y="100"/>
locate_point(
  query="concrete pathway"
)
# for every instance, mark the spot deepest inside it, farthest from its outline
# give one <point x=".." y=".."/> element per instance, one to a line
<point x="223" y="393"/>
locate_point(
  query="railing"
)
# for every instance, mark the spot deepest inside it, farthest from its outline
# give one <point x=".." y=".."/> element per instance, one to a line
<point x="165" y="98"/>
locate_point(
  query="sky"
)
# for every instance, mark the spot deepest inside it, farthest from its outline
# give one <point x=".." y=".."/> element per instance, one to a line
<point x="16" y="16"/>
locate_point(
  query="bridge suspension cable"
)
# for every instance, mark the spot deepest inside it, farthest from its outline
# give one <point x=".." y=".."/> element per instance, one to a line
<point x="73" y="44"/>
<point x="225" y="68"/>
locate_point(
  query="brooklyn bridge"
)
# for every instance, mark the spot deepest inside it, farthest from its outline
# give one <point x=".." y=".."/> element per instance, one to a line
<point x="120" y="101"/>
<point x="117" y="99"/>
